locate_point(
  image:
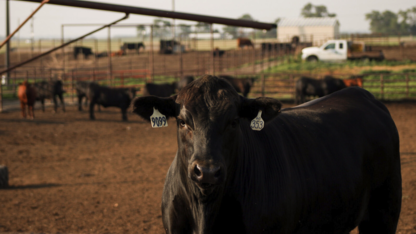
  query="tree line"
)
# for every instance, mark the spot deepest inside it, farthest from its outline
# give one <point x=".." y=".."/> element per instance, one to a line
<point x="387" y="22"/>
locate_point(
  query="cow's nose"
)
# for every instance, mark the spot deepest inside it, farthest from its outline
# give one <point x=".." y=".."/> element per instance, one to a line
<point x="206" y="176"/>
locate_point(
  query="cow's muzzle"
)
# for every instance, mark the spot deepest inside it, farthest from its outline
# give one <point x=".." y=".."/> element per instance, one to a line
<point x="206" y="176"/>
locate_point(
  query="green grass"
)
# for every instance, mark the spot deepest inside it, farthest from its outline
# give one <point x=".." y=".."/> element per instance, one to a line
<point x="290" y="64"/>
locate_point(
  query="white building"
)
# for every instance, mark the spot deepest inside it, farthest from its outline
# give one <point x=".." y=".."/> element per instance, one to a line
<point x="316" y="30"/>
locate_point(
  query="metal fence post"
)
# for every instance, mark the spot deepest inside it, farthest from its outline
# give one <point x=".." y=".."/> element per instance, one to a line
<point x="262" y="85"/>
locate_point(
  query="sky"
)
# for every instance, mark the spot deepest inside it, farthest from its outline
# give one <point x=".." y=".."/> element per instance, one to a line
<point x="48" y="21"/>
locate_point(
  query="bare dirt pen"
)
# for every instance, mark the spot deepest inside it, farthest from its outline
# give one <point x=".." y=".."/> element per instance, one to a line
<point x="69" y="174"/>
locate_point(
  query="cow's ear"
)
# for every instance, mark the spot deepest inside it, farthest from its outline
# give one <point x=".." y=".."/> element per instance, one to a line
<point x="249" y="108"/>
<point x="143" y="106"/>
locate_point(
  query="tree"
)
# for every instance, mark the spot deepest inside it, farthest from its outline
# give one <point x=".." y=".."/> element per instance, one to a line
<point x="161" y="28"/>
<point x="233" y="31"/>
<point x="310" y="10"/>
<point x="408" y="20"/>
<point x="385" y="22"/>
<point x="246" y="17"/>
<point x="236" y="31"/>
<point x="203" y="27"/>
<point x="141" y="30"/>
<point x="185" y="29"/>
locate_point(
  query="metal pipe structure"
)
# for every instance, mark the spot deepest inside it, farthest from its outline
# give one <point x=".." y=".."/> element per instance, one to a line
<point x="160" y="13"/>
<point x="21" y="25"/>
<point x="61" y="46"/>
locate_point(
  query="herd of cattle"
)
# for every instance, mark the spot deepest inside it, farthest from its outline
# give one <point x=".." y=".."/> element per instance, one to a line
<point x="326" y="166"/>
<point x="121" y="97"/>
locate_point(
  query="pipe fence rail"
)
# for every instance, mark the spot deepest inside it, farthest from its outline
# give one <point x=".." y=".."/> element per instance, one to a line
<point x="396" y="86"/>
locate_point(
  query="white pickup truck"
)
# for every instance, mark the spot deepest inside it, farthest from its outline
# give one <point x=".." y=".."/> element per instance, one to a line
<point x="341" y="50"/>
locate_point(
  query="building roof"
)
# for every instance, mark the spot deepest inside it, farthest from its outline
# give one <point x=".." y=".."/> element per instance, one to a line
<point x="313" y="21"/>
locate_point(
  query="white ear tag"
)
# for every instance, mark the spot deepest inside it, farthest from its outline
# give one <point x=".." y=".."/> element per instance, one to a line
<point x="158" y="120"/>
<point x="257" y="123"/>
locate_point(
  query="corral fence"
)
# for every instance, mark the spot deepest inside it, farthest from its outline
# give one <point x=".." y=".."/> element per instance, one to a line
<point x="392" y="86"/>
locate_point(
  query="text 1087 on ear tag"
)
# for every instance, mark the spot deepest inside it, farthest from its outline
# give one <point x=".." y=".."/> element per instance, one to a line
<point x="158" y="120"/>
<point x="257" y="123"/>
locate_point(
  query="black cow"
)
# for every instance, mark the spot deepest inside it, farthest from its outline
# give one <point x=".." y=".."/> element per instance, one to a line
<point x="160" y="90"/>
<point x="166" y="46"/>
<point x="324" y="167"/>
<point x="133" y="46"/>
<point x="218" y="53"/>
<point x="242" y="85"/>
<point x="83" y="89"/>
<point x="82" y="50"/>
<point x="267" y="46"/>
<point x="50" y="90"/>
<point x="184" y="81"/>
<point x="306" y="86"/>
<point x="117" y="97"/>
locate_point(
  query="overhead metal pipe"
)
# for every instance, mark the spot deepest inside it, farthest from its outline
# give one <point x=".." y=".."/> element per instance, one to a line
<point x="160" y="13"/>
<point x="63" y="45"/>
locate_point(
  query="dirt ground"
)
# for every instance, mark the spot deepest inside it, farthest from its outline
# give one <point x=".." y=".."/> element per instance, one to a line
<point x="72" y="175"/>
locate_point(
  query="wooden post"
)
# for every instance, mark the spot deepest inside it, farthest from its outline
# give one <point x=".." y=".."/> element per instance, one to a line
<point x="262" y="85"/>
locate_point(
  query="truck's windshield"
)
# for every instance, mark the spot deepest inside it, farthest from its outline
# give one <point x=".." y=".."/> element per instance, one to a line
<point x="330" y="46"/>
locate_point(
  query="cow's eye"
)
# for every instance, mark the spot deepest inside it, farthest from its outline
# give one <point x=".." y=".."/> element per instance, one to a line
<point x="182" y="123"/>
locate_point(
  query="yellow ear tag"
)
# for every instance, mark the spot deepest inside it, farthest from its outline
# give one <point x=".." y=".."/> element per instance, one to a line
<point x="158" y="120"/>
<point x="257" y="123"/>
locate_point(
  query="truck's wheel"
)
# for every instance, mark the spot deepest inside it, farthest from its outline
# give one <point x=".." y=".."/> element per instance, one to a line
<point x="4" y="177"/>
<point x="312" y="59"/>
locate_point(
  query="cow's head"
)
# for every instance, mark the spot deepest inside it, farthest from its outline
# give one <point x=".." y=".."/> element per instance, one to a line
<point x="208" y="113"/>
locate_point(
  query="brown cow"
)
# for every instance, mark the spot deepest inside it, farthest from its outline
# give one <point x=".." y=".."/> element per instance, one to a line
<point x="241" y="42"/>
<point x="27" y="96"/>
<point x="354" y="81"/>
